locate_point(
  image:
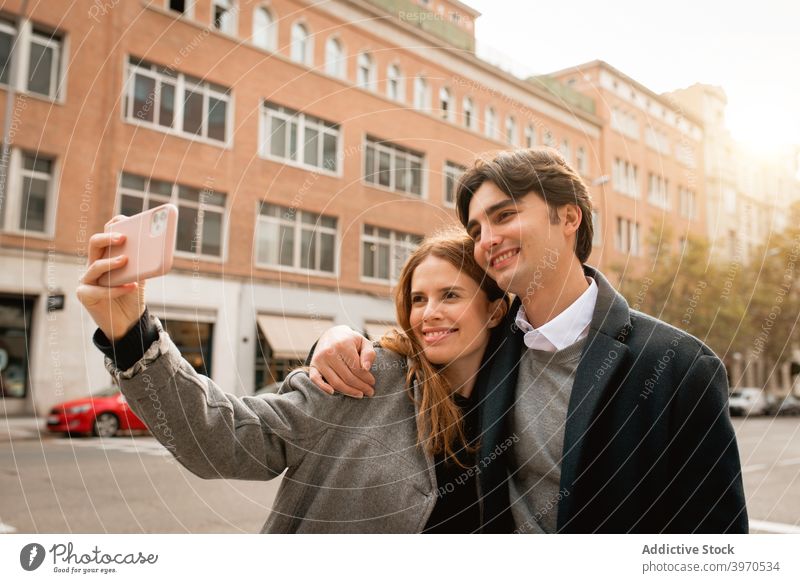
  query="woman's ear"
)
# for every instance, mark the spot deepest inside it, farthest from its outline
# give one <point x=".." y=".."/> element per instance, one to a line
<point x="497" y="311"/>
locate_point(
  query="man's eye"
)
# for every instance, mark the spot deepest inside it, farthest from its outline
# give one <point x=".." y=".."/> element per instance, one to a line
<point x="504" y="216"/>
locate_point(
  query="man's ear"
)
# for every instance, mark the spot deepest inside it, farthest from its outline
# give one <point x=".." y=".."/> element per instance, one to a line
<point x="571" y="216"/>
<point x="497" y="311"/>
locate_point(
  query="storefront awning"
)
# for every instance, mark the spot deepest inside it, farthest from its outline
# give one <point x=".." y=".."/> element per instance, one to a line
<point x="377" y="329"/>
<point x="291" y="337"/>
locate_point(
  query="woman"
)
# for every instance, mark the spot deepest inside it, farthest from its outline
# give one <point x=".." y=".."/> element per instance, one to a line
<point x="385" y="464"/>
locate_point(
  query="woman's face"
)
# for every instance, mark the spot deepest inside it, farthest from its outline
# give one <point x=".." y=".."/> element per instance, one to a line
<point x="450" y="314"/>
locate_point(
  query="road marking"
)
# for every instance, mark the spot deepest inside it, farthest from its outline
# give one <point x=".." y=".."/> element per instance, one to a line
<point x="754" y="468"/>
<point x="790" y="462"/>
<point x="153" y="448"/>
<point x="774" y="527"/>
<point x="760" y="467"/>
<point x="6" y="528"/>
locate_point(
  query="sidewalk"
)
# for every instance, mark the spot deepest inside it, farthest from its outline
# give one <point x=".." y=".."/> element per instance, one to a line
<point x="16" y="428"/>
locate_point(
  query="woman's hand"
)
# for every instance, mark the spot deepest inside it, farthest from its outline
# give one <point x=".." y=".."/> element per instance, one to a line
<point x="117" y="309"/>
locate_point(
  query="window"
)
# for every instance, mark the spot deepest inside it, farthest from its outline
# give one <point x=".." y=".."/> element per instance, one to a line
<point x="469" y="113"/>
<point x="548" y="139"/>
<point x="530" y="136"/>
<point x="580" y="159"/>
<point x="39" y="66"/>
<point x="177" y="5"/>
<point x="597" y="235"/>
<point x="286" y="237"/>
<point x="566" y="151"/>
<point x="625" y="178"/>
<point x="511" y="130"/>
<point x="393" y="167"/>
<point x="224" y="16"/>
<point x="688" y="203"/>
<point x="384" y="252"/>
<point x="657" y="191"/>
<point x="265" y="31"/>
<point x="627" y="237"/>
<point x="657" y="140"/>
<point x="306" y="140"/>
<point x="7" y="34"/>
<point x="490" y="123"/>
<point x="334" y="58"/>
<point x="625" y="123"/>
<point x="365" y="72"/>
<point x="300" y="49"/>
<point x="201" y="212"/>
<point x="445" y="103"/>
<point x="31" y="183"/>
<point x="394" y="83"/>
<point x="421" y="97"/>
<point x="452" y="172"/>
<point x="152" y="98"/>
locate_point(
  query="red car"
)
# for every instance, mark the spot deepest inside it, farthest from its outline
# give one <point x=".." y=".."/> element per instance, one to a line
<point x="102" y="414"/>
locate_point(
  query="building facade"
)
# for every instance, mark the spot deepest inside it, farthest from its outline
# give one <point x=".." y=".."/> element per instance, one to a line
<point x="300" y="141"/>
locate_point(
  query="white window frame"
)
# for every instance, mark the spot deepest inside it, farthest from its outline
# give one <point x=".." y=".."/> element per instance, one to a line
<point x="468" y="107"/>
<point x="394" y="77"/>
<point x="335" y="61"/>
<point x="446" y="104"/>
<point x="267" y="38"/>
<point x="581" y="161"/>
<point x="270" y="110"/>
<point x="147" y="196"/>
<point x="19" y="61"/>
<point x="548" y="139"/>
<point x="597" y="235"/>
<point x="181" y="84"/>
<point x="307" y="45"/>
<point x="380" y="146"/>
<point x="566" y="151"/>
<point x="530" y="136"/>
<point x="454" y="172"/>
<point x="12" y="213"/>
<point x="397" y="240"/>
<point x="688" y="203"/>
<point x="298" y="226"/>
<point x="625" y="178"/>
<point x="422" y="97"/>
<point x="626" y="237"/>
<point x="490" y="122"/>
<point x="365" y="72"/>
<point x="231" y="27"/>
<point x="658" y="191"/>
<point x="188" y="9"/>
<point x="511" y="130"/>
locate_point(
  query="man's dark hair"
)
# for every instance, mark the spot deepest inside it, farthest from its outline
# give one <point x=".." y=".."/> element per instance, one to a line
<point x="542" y="171"/>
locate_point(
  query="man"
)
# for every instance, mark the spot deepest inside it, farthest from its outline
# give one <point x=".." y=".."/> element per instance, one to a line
<point x="595" y="417"/>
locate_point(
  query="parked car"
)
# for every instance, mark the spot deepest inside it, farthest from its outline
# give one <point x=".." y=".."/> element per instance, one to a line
<point x="789" y="405"/>
<point x="747" y="401"/>
<point x="102" y="414"/>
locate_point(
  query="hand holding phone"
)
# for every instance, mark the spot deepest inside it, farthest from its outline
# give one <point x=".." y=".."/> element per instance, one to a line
<point x="149" y="245"/>
<point x="116" y="302"/>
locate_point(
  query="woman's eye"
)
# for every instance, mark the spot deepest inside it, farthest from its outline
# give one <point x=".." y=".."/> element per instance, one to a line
<point x="417" y="299"/>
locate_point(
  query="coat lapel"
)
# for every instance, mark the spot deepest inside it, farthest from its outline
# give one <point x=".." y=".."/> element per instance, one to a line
<point x="604" y="354"/>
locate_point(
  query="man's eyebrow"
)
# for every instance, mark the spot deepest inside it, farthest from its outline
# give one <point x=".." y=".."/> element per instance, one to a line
<point x="493" y="209"/>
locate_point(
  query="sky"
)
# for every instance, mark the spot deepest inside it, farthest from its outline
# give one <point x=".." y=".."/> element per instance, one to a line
<point x="750" y="49"/>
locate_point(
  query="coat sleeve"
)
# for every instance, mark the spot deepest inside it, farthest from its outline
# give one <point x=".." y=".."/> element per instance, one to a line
<point x="706" y="494"/>
<point x="215" y="434"/>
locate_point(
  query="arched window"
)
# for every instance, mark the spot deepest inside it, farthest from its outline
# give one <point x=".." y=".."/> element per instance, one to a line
<point x="421" y="97"/>
<point x="365" y="73"/>
<point x="394" y="83"/>
<point x="301" y="44"/>
<point x="469" y="113"/>
<point x="490" y="123"/>
<point x="530" y="137"/>
<point x="334" y="58"/>
<point x="264" y="29"/>
<point x="224" y="14"/>
<point x="511" y="130"/>
<point x="445" y="103"/>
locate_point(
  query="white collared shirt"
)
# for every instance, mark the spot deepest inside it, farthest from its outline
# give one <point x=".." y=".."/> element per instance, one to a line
<point x="566" y="328"/>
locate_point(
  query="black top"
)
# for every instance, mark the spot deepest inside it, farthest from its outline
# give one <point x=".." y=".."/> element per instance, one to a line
<point x="456" y="509"/>
<point x="126" y="351"/>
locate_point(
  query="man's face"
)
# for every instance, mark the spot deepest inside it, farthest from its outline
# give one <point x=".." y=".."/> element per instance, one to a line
<point x="515" y="241"/>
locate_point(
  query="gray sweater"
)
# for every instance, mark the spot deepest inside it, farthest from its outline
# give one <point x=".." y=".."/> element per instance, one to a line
<point x="352" y="465"/>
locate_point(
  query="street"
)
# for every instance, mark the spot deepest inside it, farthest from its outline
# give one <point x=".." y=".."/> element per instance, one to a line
<point x="130" y="484"/>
